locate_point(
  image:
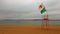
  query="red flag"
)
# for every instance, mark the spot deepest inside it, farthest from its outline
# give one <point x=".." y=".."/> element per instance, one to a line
<point x="40" y="6"/>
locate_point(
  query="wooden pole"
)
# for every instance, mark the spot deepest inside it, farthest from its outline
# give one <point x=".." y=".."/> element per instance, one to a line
<point x="45" y="21"/>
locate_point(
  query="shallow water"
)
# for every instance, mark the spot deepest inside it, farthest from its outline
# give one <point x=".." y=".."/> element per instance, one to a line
<point x="27" y="22"/>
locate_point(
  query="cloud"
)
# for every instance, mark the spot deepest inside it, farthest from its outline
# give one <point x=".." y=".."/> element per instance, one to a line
<point x="17" y="9"/>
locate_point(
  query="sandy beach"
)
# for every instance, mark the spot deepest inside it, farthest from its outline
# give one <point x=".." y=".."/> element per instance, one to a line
<point x="28" y="29"/>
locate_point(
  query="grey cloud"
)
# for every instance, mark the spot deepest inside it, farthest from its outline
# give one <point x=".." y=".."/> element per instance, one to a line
<point x="55" y="16"/>
<point x="16" y="9"/>
<point x="51" y="2"/>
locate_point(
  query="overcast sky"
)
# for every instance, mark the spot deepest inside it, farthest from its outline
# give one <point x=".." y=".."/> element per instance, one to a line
<point x="21" y="9"/>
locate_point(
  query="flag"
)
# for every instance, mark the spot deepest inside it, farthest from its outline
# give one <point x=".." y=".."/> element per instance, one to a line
<point x="42" y="8"/>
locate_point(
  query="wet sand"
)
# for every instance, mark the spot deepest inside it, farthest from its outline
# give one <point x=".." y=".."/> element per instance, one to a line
<point x="29" y="29"/>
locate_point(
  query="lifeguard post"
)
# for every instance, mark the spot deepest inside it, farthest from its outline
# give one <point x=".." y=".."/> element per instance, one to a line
<point x="45" y="24"/>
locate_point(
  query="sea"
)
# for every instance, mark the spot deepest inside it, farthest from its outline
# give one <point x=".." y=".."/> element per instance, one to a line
<point x="52" y="22"/>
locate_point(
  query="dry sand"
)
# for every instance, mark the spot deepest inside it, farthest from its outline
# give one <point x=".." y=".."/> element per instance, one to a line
<point x="29" y="29"/>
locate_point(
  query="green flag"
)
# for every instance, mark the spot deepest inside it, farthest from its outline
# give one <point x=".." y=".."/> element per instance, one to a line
<point x="42" y="8"/>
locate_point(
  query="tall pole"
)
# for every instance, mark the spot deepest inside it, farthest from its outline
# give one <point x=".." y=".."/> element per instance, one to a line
<point x="44" y="16"/>
<point x="45" y="21"/>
